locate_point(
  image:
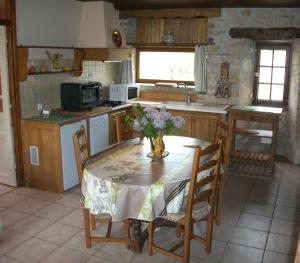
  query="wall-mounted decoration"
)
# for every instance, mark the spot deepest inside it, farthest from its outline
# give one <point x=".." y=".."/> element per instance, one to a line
<point x="117" y="38"/>
<point x="223" y="85"/>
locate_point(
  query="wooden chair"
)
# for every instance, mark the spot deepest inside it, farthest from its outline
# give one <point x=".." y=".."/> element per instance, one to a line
<point x="82" y="156"/>
<point x="222" y="133"/>
<point x="199" y="205"/>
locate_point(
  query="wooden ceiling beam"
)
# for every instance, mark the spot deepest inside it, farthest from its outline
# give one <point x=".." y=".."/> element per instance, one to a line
<point x="257" y="33"/>
<point x="171" y="13"/>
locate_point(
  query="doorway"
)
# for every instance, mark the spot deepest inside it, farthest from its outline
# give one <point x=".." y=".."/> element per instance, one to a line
<point x="7" y="155"/>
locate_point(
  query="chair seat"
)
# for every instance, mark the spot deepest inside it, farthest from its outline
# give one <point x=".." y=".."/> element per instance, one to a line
<point x="200" y="211"/>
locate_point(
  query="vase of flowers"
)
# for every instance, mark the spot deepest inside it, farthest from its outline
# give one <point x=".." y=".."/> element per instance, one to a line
<point x="154" y="124"/>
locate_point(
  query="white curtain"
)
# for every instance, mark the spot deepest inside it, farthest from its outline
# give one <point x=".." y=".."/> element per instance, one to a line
<point x="126" y="72"/>
<point x="200" y="69"/>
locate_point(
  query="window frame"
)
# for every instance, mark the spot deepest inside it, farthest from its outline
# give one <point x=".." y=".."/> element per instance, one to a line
<point x="160" y="49"/>
<point x="272" y="46"/>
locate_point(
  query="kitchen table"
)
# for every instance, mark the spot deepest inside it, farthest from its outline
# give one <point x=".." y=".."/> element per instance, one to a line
<point x="125" y="183"/>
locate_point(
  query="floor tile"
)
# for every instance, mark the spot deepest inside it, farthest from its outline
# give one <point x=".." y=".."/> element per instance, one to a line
<point x="10" y="239"/>
<point x="289" y="213"/>
<point x="28" y="191"/>
<point x="289" y="201"/>
<point x="262" y="197"/>
<point x="282" y="244"/>
<point x="77" y="242"/>
<point x="30" y="205"/>
<point x="72" y="200"/>
<point x="249" y="237"/>
<point x="116" y="252"/>
<point x="66" y="255"/>
<point x="156" y="257"/>
<point x="10" y="217"/>
<point x="221" y="232"/>
<point x="4" y="189"/>
<point x="94" y="259"/>
<point x="229" y="216"/>
<point x="235" y="205"/>
<point x="32" y="250"/>
<point x="48" y="196"/>
<point x="198" y="250"/>
<point x="4" y="259"/>
<point x="285" y="227"/>
<point x="58" y="233"/>
<point x="254" y="222"/>
<point x="75" y="218"/>
<point x="272" y="257"/>
<point x="266" y="186"/>
<point x="11" y="199"/>
<point x="240" y="254"/>
<point x="31" y="225"/>
<point x="54" y="211"/>
<point x="259" y="209"/>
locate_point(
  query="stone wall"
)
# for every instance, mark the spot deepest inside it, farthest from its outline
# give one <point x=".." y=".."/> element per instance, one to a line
<point x="240" y="54"/>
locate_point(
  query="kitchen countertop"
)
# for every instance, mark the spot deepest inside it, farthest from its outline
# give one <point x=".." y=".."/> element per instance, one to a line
<point x="55" y="117"/>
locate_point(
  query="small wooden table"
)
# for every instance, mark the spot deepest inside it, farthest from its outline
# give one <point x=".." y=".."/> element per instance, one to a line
<point x="148" y="187"/>
<point x="254" y="114"/>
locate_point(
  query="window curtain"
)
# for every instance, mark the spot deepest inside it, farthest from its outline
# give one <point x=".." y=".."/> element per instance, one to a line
<point x="200" y="72"/>
<point x="126" y="72"/>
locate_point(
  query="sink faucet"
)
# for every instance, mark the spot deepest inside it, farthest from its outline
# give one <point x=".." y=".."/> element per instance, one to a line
<point x="187" y="97"/>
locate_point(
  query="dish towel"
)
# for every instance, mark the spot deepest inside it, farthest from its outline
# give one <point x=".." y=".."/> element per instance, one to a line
<point x="200" y="72"/>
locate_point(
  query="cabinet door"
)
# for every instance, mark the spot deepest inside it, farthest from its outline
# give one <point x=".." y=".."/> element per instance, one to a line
<point x="125" y="130"/>
<point x="187" y="121"/>
<point x="41" y="157"/>
<point x="204" y="125"/>
<point x="4" y="16"/>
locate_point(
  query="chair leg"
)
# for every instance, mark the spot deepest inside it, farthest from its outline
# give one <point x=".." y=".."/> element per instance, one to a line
<point x="209" y="231"/>
<point x="178" y="230"/>
<point x="127" y="232"/>
<point x="87" y="230"/>
<point x="219" y="199"/>
<point x="109" y="226"/>
<point x="150" y="238"/>
<point x="186" y="243"/>
<point x="93" y="221"/>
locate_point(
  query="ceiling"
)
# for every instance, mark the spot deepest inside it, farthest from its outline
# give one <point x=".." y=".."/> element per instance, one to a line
<point x="160" y="4"/>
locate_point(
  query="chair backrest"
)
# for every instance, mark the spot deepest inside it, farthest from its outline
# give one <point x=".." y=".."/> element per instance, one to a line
<point x="205" y="172"/>
<point x="222" y="133"/>
<point x="117" y="117"/>
<point x="81" y="150"/>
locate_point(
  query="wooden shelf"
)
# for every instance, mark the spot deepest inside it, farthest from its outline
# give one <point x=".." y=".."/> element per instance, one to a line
<point x="262" y="158"/>
<point x="253" y="132"/>
<point x="55" y="72"/>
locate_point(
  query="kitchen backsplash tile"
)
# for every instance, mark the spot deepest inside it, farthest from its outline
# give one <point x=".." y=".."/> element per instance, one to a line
<point x="45" y="89"/>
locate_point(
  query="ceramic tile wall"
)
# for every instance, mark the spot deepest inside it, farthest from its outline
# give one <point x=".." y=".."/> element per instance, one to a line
<point x="45" y="89"/>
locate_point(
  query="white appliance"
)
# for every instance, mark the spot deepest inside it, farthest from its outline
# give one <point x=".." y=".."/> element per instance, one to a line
<point x="69" y="167"/>
<point x="99" y="133"/>
<point x="123" y="92"/>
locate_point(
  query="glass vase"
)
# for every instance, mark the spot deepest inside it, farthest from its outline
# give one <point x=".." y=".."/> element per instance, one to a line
<point x="157" y="146"/>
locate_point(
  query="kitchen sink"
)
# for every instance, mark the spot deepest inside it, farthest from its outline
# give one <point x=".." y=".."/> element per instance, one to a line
<point x="183" y="104"/>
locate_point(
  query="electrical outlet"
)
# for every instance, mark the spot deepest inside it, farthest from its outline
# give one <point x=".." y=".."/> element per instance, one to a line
<point x="39" y="107"/>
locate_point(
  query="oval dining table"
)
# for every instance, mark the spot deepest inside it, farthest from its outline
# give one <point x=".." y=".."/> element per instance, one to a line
<point x="125" y="183"/>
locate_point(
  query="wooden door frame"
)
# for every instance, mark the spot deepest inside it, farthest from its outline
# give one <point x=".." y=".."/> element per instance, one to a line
<point x="14" y="89"/>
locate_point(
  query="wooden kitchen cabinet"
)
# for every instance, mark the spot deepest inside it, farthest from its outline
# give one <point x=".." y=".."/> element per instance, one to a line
<point x="4" y="12"/>
<point x="204" y="125"/>
<point x="187" y="121"/>
<point x="42" y="155"/>
<point x="125" y="130"/>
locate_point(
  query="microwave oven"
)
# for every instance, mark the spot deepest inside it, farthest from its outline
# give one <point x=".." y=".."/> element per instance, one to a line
<point x="123" y="92"/>
<point x="80" y="96"/>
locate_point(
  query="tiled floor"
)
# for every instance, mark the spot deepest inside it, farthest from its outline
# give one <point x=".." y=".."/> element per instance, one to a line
<point x="260" y="223"/>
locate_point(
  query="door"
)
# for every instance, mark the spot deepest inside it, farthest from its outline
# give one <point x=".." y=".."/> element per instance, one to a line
<point x="7" y="159"/>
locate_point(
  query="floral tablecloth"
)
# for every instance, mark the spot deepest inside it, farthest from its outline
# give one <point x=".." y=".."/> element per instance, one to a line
<point x="148" y="188"/>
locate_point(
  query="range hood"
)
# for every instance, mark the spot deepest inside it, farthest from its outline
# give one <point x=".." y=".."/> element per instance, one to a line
<point x="97" y="22"/>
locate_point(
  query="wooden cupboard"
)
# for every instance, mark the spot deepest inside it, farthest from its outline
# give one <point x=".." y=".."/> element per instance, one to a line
<point x="4" y="12"/>
<point x="45" y="171"/>
<point x="200" y="125"/>
<point x="125" y="130"/>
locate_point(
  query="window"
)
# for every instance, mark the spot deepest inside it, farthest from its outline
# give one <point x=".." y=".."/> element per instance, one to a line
<point x="272" y="74"/>
<point x="166" y="65"/>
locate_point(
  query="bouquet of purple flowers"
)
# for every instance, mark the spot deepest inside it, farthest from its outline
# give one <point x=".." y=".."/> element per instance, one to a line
<point x="152" y="122"/>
